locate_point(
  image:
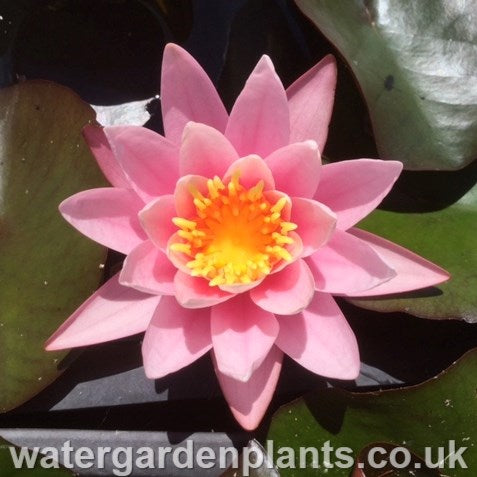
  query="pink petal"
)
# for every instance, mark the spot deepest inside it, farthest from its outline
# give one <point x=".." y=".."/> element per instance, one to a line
<point x="205" y="151"/>
<point x="320" y="339"/>
<point x="296" y="168"/>
<point x="184" y="200"/>
<point x="187" y="94"/>
<point x="347" y="265"/>
<point x="110" y="313"/>
<point x="175" y="338"/>
<point x="286" y="292"/>
<point x="242" y="335"/>
<point x="252" y="170"/>
<point x="147" y="269"/>
<point x="107" y="216"/>
<point x="259" y="122"/>
<point x="249" y="401"/>
<point x="310" y="101"/>
<point x="195" y="292"/>
<point x="156" y="219"/>
<point x="236" y="288"/>
<point x="316" y="223"/>
<point x="353" y="189"/>
<point x="101" y="150"/>
<point x="150" y="161"/>
<point x="412" y="271"/>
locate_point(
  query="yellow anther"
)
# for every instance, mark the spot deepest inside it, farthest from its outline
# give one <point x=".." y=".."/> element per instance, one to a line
<point x="287" y="227"/>
<point x="184" y="223"/>
<point x="213" y="192"/>
<point x="256" y="191"/>
<point x="218" y="183"/>
<point x="199" y="204"/>
<point x="237" y="235"/>
<point x="279" y="205"/>
<point x="186" y="235"/>
<point x="181" y="247"/>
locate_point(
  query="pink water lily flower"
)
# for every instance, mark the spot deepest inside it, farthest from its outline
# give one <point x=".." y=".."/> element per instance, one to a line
<point x="235" y="235"/>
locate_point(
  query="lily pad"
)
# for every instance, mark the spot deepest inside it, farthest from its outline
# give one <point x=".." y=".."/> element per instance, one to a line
<point x="46" y="268"/>
<point x="416" y="66"/>
<point x="438" y="414"/>
<point x="446" y="236"/>
<point x="7" y="464"/>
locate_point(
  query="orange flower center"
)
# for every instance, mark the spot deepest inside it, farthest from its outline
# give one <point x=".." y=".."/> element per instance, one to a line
<point x="237" y="236"/>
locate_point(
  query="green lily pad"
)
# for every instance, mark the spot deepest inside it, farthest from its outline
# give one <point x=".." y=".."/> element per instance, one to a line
<point x="438" y="414"/>
<point x="46" y="268"/>
<point x="8" y="468"/>
<point x="446" y="236"/>
<point x="415" y="62"/>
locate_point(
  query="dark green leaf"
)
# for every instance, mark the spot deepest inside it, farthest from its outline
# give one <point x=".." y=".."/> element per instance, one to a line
<point x="46" y="268"/>
<point x="431" y="415"/>
<point x="415" y="62"/>
<point x="8" y="469"/>
<point x="445" y="236"/>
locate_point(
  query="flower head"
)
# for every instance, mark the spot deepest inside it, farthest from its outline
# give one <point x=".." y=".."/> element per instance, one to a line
<point x="236" y="236"/>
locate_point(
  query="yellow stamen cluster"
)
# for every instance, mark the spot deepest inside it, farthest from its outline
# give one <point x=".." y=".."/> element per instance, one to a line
<point x="237" y="237"/>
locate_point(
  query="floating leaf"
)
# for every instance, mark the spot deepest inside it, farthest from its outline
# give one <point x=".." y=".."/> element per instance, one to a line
<point x="46" y="268"/>
<point x="416" y="65"/>
<point x="8" y="468"/>
<point x="446" y="236"/>
<point x="440" y="415"/>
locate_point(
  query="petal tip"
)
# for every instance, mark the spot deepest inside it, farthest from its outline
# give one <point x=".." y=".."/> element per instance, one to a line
<point x="312" y="144"/>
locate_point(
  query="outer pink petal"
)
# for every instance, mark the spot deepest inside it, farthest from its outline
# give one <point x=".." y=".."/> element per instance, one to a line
<point x="107" y="216"/>
<point x="249" y="401"/>
<point x="205" y="151"/>
<point x="110" y="313"/>
<point x="101" y="150"/>
<point x="412" y="271"/>
<point x="242" y="336"/>
<point x="310" y="101"/>
<point x="195" y="292"/>
<point x="320" y="339"/>
<point x="150" y="161"/>
<point x="353" y="189"/>
<point x="286" y="292"/>
<point x="187" y="94"/>
<point x="296" y="168"/>
<point x="147" y="269"/>
<point x="156" y="219"/>
<point x="316" y="223"/>
<point x="184" y="200"/>
<point x="347" y="265"/>
<point x="175" y="338"/>
<point x="252" y="170"/>
<point x="259" y="122"/>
